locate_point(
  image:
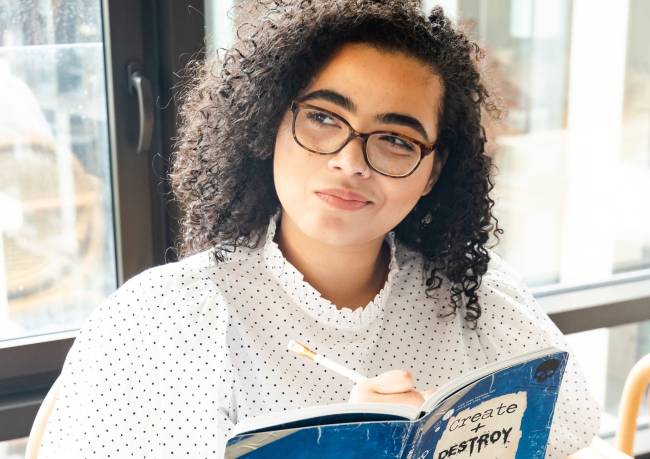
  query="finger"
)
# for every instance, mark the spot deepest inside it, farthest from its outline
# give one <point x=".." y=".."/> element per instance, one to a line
<point x="411" y="398"/>
<point x="391" y="382"/>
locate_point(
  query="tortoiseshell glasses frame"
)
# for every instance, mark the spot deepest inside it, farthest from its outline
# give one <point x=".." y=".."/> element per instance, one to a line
<point x="424" y="148"/>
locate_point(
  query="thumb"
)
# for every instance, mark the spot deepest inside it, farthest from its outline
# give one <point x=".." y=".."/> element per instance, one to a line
<point x="391" y="382"/>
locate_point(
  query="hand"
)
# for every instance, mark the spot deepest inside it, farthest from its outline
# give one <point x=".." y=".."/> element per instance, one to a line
<point x="395" y="386"/>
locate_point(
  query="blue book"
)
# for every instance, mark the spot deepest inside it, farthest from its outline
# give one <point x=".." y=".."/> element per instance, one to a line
<point x="503" y="410"/>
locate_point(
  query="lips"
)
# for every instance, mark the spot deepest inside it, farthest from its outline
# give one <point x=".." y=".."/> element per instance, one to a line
<point x="345" y="200"/>
<point x="345" y="194"/>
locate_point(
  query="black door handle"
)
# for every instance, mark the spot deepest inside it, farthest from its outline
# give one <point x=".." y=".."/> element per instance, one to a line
<point x="139" y="84"/>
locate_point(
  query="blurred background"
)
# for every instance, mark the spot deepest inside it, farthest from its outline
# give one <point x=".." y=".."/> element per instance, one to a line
<point x="81" y="210"/>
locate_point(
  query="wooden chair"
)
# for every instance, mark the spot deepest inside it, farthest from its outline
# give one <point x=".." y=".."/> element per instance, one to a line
<point x="636" y="384"/>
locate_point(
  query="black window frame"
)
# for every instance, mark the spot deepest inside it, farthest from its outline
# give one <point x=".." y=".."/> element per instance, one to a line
<point x="160" y="37"/>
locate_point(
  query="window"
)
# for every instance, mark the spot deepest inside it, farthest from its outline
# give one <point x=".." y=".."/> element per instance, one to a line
<point x="573" y="153"/>
<point x="55" y="181"/>
<point x="83" y="207"/>
<point x="573" y="169"/>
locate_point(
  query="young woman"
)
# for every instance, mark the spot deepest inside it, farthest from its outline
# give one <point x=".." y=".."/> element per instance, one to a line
<point x="334" y="187"/>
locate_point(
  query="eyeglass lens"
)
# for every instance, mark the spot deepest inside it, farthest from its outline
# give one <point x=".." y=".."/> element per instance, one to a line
<point x="389" y="154"/>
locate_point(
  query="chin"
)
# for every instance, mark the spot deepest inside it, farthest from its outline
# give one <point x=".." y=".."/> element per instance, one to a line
<point x="335" y="230"/>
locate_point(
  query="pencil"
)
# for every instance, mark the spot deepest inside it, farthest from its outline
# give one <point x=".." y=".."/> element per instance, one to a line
<point x="303" y="350"/>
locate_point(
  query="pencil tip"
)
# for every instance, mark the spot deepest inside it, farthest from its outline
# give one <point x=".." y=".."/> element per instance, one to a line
<point x="300" y="348"/>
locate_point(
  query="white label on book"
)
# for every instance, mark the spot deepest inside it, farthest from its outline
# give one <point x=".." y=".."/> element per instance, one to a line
<point x="492" y="428"/>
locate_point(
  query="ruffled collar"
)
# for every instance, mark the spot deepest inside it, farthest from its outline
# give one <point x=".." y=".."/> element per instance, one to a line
<point x="310" y="300"/>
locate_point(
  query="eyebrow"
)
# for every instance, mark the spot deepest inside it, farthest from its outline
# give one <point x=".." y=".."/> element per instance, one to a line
<point x="346" y="103"/>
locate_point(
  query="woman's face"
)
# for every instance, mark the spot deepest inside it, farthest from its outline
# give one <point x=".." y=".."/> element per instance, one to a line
<point x="374" y="82"/>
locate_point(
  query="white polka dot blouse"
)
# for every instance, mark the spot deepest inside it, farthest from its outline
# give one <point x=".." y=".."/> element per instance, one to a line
<point x="173" y="359"/>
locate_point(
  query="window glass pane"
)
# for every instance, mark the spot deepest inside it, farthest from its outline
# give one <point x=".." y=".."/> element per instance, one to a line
<point x="573" y="152"/>
<point x="13" y="449"/>
<point x="57" y="242"/>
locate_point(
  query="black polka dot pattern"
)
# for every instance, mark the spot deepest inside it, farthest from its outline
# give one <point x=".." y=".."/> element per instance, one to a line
<point x="167" y="364"/>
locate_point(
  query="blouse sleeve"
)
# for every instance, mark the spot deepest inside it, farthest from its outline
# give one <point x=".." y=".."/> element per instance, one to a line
<point x="119" y="383"/>
<point x="512" y="322"/>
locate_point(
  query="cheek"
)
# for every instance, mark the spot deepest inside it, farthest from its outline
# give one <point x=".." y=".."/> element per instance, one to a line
<point x="399" y="200"/>
<point x="401" y="195"/>
<point x="291" y="167"/>
<point x="283" y="172"/>
<point x="281" y="148"/>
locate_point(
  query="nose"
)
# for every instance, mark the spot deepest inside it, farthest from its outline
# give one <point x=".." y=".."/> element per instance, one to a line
<point x="350" y="159"/>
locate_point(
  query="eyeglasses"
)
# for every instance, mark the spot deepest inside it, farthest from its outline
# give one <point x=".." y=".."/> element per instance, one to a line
<point x="324" y="132"/>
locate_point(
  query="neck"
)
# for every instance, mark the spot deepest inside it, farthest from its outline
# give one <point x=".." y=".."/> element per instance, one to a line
<point x="348" y="277"/>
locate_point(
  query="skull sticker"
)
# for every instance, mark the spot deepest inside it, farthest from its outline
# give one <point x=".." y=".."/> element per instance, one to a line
<point x="546" y="370"/>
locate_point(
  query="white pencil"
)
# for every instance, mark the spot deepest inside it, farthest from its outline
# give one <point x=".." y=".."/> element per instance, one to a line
<point x="303" y="350"/>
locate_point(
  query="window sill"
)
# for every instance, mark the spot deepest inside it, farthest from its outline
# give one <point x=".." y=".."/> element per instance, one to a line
<point x="623" y="300"/>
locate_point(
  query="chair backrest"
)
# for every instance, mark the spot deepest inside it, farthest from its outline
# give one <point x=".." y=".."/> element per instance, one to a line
<point x="40" y="421"/>
<point x="635" y="386"/>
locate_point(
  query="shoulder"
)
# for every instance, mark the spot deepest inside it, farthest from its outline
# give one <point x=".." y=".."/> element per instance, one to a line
<point x="160" y="295"/>
<point x="503" y="288"/>
<point x="155" y="287"/>
<point x="154" y="306"/>
<point x="189" y="275"/>
<point x="511" y="317"/>
<point x="499" y="268"/>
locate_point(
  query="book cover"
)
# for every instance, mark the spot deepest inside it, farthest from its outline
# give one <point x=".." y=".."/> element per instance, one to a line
<point x="501" y="411"/>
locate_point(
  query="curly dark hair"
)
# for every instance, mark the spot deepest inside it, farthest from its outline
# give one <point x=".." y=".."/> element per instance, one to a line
<point x="231" y="108"/>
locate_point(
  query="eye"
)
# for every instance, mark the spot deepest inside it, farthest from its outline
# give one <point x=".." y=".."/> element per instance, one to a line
<point x="321" y="118"/>
<point x="396" y="141"/>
